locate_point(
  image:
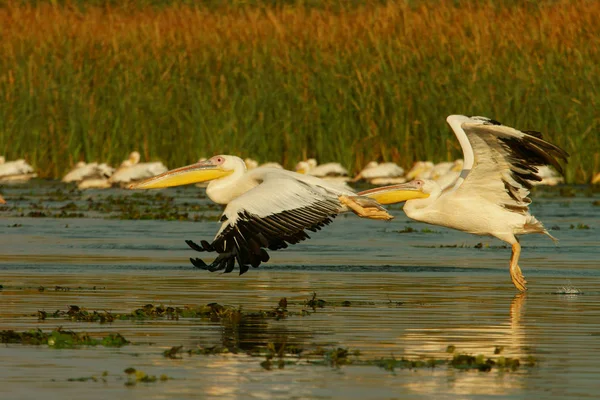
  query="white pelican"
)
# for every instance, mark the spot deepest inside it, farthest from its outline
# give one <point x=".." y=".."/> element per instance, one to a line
<point x="330" y="171"/>
<point x="490" y="196"/>
<point x="131" y="170"/>
<point x="84" y="171"/>
<point x="420" y="170"/>
<point x="549" y="176"/>
<point x="381" y="173"/>
<point x="15" y="171"/>
<point x="267" y="208"/>
<point x="448" y="178"/>
<point x="250" y="163"/>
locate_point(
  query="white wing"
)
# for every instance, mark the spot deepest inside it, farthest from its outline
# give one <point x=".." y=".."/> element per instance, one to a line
<point x="501" y="162"/>
<point x="270" y="216"/>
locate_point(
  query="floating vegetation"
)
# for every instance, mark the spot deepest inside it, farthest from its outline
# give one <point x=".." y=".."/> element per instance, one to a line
<point x="135" y="376"/>
<point x="479" y="245"/>
<point x="61" y="339"/>
<point x="336" y="357"/>
<point x="408" y="229"/>
<point x="579" y="226"/>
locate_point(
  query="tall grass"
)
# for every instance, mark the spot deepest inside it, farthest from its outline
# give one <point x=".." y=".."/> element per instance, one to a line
<point x="282" y="82"/>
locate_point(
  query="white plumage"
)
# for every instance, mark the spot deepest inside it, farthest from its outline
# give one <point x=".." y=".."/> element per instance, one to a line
<point x="15" y="171"/>
<point x="132" y="170"/>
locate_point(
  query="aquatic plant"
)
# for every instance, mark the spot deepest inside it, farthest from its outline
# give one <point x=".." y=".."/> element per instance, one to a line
<point x="61" y="339"/>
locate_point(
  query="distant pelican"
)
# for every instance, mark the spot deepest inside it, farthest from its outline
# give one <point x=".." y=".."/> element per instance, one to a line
<point x="447" y="178"/>
<point x="549" y="176"/>
<point x="330" y="171"/>
<point x="420" y="170"/>
<point x="267" y="208"/>
<point x="381" y="173"/>
<point x="2" y="201"/>
<point x="132" y="170"/>
<point x="15" y="171"/>
<point x="89" y="173"/>
<point x="490" y="196"/>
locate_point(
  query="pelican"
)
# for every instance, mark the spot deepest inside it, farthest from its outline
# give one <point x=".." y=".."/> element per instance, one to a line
<point x="490" y="196"/>
<point x="420" y="170"/>
<point x="381" y="174"/>
<point x="267" y="208"/>
<point x="331" y="171"/>
<point x="131" y="170"/>
<point x="15" y="171"/>
<point x="549" y="176"/>
<point x="84" y="171"/>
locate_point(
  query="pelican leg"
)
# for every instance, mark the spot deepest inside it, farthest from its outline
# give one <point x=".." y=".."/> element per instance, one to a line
<point x="365" y="207"/>
<point x="515" y="271"/>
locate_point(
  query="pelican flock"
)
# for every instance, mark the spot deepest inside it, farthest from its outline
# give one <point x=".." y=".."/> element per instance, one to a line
<point x="490" y="195"/>
<point x="266" y="208"/>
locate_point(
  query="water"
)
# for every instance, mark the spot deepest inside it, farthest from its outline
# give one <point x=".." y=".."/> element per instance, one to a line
<point x="408" y="297"/>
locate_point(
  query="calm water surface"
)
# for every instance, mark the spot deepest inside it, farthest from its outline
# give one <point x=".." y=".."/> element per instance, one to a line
<point x="408" y="297"/>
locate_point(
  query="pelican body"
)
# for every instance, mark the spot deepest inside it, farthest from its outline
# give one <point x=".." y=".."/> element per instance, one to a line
<point x="15" y="171"/>
<point x="131" y="170"/>
<point x="266" y="208"/>
<point x="490" y="195"/>
<point x="381" y="173"/>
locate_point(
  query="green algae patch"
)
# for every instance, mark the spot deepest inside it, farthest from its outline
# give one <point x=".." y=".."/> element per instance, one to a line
<point x="60" y="339"/>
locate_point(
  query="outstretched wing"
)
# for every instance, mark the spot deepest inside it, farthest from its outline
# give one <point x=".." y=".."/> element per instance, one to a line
<point x="505" y="161"/>
<point x="270" y="216"/>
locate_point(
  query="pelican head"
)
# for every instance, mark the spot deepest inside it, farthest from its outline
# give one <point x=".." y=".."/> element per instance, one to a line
<point x="417" y="189"/>
<point x="214" y="168"/>
<point x="302" y="167"/>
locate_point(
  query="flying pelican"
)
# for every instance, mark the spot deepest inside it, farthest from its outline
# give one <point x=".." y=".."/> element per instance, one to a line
<point x="15" y="171"/>
<point x="381" y="173"/>
<point x="490" y="196"/>
<point x="267" y="208"/>
<point x="131" y="170"/>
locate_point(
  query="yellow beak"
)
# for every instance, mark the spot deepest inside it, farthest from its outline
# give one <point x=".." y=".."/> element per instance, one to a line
<point x="395" y="193"/>
<point x="201" y="172"/>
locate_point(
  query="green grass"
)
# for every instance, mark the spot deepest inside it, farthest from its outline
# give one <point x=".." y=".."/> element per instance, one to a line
<point x="285" y="82"/>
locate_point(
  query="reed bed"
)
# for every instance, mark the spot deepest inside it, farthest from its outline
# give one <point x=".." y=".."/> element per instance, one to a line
<point x="278" y="81"/>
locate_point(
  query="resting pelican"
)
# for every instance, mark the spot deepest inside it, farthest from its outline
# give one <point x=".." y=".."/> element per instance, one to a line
<point x="381" y="174"/>
<point x="331" y="171"/>
<point x="131" y="170"/>
<point x="84" y="171"/>
<point x="549" y="176"/>
<point x="490" y="196"/>
<point x="420" y="170"/>
<point x="15" y="171"/>
<point x="267" y="208"/>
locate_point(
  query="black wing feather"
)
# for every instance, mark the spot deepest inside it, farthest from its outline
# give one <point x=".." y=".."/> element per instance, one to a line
<point x="246" y="240"/>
